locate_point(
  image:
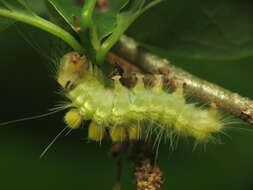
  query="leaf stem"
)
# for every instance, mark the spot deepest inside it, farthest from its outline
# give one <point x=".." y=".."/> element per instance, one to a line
<point x="107" y="45"/>
<point x="44" y="25"/>
<point x="87" y="22"/>
<point x="94" y="37"/>
<point x="87" y="12"/>
<point x="152" y="4"/>
<point x="120" y="29"/>
<point x="202" y="90"/>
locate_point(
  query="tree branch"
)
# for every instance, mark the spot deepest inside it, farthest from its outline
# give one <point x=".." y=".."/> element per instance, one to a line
<point x="201" y="90"/>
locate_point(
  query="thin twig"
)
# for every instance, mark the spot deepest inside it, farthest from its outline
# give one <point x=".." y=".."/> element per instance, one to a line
<point x="116" y="152"/>
<point x="118" y="174"/>
<point x="202" y="90"/>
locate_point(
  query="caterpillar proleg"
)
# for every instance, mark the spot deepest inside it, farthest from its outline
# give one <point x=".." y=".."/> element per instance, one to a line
<point x="130" y="113"/>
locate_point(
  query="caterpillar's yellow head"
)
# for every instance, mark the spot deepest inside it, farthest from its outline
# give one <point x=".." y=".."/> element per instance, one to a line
<point x="71" y="69"/>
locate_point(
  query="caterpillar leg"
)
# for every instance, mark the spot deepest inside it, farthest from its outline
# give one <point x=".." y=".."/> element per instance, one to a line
<point x="73" y="119"/>
<point x="134" y="132"/>
<point x="96" y="132"/>
<point x="118" y="133"/>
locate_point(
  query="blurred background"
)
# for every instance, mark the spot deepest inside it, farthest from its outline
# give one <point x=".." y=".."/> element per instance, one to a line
<point x="212" y="42"/>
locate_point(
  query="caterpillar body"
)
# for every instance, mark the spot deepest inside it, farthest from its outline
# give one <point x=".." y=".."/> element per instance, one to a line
<point x="130" y="113"/>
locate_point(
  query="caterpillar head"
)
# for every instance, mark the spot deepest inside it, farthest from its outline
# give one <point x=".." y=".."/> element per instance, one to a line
<point x="71" y="69"/>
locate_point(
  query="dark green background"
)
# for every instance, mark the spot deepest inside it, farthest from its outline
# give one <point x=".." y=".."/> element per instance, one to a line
<point x="28" y="88"/>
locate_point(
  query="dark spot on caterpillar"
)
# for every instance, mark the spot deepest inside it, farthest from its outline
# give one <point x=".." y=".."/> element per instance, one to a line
<point x="163" y="71"/>
<point x="129" y="80"/>
<point x="72" y="86"/>
<point x="118" y="69"/>
<point x="166" y="81"/>
<point x="149" y="80"/>
<point x="67" y="84"/>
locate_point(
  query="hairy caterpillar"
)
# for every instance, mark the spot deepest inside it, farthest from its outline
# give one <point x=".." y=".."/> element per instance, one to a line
<point x="130" y="113"/>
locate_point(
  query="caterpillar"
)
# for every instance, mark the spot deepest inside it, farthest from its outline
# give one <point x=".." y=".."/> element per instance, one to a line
<point x="130" y="113"/>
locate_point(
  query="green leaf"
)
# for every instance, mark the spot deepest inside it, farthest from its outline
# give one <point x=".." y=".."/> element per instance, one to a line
<point x="117" y="5"/>
<point x="105" y="22"/>
<point x="16" y="5"/>
<point x="55" y="17"/>
<point x="32" y="6"/>
<point x="124" y="20"/>
<point x="18" y="10"/>
<point x="214" y="30"/>
<point x="133" y="6"/>
<point x="127" y="15"/>
<point x="69" y="12"/>
<point x="47" y="45"/>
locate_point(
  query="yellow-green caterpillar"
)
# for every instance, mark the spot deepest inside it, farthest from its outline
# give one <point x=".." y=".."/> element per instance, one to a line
<point x="130" y="113"/>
